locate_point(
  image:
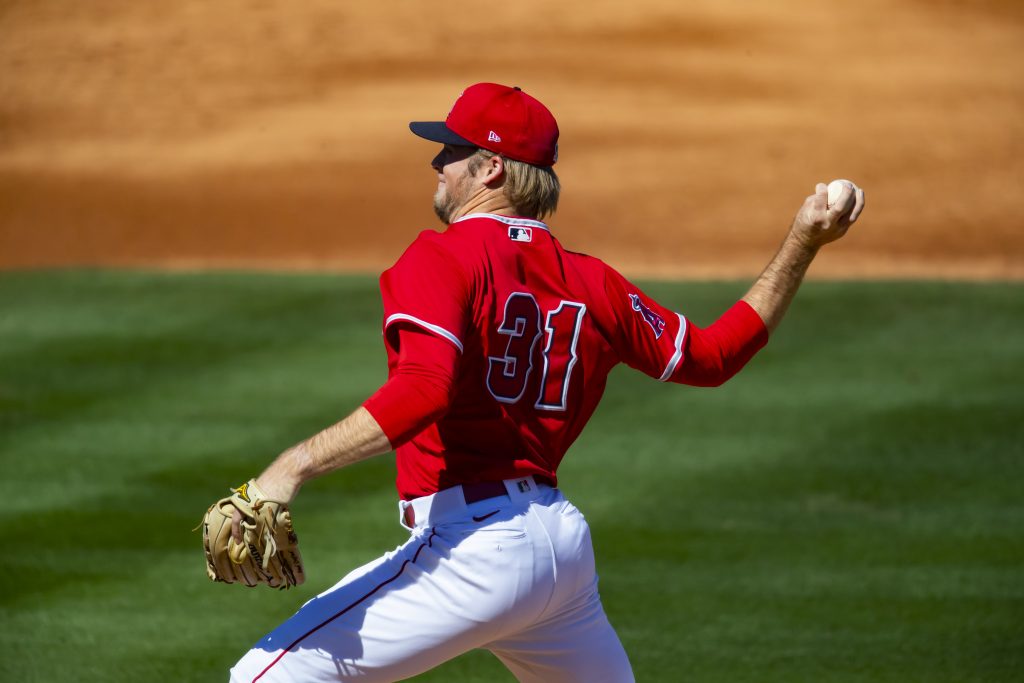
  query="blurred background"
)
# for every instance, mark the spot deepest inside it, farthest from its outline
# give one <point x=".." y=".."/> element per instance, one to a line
<point x="260" y="133"/>
<point x="848" y="509"/>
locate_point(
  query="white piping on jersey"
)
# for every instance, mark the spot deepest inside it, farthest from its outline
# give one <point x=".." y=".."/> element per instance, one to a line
<point x="524" y="222"/>
<point x="673" y="362"/>
<point x="436" y="329"/>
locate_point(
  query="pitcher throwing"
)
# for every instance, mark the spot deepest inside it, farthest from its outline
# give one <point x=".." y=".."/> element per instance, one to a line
<point x="499" y="344"/>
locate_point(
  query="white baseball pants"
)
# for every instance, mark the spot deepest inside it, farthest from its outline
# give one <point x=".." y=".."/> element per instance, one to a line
<point x="513" y="575"/>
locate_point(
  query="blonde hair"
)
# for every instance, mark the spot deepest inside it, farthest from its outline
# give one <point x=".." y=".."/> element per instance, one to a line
<point x="531" y="190"/>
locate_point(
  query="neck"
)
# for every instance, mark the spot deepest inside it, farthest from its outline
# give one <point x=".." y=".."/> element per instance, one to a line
<point x="485" y="201"/>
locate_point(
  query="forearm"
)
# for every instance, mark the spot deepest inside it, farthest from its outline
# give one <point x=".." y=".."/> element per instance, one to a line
<point x="773" y="291"/>
<point x="349" y="441"/>
<point x="818" y="222"/>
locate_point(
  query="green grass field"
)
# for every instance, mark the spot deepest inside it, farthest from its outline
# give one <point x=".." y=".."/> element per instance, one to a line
<point x="849" y="508"/>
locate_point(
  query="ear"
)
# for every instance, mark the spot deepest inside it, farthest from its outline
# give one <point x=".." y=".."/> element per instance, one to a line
<point x="492" y="170"/>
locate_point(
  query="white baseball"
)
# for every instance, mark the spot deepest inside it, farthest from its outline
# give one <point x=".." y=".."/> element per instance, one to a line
<point x="835" y="188"/>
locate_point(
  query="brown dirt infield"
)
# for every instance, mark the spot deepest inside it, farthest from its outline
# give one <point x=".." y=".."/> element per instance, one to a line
<point x="259" y="133"/>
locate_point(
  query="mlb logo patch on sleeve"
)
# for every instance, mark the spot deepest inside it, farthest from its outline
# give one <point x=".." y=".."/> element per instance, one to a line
<point x="520" y="234"/>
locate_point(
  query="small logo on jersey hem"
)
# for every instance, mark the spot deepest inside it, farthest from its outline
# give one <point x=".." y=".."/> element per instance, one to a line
<point x="518" y="233"/>
<point x="523" y="486"/>
<point x="656" y="322"/>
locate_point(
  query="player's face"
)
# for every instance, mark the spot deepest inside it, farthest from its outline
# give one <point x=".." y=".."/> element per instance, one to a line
<point x="454" y="181"/>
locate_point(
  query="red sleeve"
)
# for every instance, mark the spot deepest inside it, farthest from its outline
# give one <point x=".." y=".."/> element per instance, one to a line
<point x="418" y="391"/>
<point x="427" y="288"/>
<point x="713" y="355"/>
<point x="646" y="336"/>
<point x="665" y="345"/>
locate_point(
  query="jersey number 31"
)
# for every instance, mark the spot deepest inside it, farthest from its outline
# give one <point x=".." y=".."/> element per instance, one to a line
<point x="508" y="375"/>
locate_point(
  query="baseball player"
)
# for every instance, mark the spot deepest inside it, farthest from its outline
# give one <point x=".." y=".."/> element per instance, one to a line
<point x="499" y="343"/>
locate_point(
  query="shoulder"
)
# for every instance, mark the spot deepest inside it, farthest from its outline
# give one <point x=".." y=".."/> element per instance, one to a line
<point x="429" y="246"/>
<point x="465" y="243"/>
<point x="426" y="241"/>
<point x="593" y="270"/>
<point x="433" y="259"/>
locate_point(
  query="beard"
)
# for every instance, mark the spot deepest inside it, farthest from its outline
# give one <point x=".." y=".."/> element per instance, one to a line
<point x="444" y="207"/>
<point x="449" y="200"/>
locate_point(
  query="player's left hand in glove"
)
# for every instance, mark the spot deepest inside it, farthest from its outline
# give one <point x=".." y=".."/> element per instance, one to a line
<point x="269" y="551"/>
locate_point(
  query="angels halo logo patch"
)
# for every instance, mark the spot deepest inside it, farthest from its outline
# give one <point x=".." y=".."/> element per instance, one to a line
<point x="656" y="322"/>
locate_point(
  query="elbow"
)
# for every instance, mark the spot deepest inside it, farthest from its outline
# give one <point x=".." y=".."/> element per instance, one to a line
<point x="405" y="406"/>
<point x="716" y="354"/>
<point x="708" y="381"/>
<point x="438" y="408"/>
<point x="726" y="371"/>
<point x="708" y="372"/>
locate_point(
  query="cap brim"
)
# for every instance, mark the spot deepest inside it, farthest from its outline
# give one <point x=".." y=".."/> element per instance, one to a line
<point x="437" y="131"/>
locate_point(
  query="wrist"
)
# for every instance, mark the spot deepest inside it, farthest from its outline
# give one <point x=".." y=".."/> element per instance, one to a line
<point x="277" y="487"/>
<point x="283" y="479"/>
<point x="801" y="238"/>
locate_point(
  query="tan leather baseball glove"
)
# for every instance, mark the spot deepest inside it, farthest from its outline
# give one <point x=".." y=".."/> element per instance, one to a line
<point x="269" y="553"/>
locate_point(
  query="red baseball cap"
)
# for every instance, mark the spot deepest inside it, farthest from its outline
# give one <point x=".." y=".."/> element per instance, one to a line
<point x="498" y="118"/>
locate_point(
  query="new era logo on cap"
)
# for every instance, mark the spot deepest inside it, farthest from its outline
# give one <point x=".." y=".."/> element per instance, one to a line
<point x="529" y="132"/>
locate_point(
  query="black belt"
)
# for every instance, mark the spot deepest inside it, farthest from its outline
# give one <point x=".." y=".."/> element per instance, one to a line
<point x="474" y="493"/>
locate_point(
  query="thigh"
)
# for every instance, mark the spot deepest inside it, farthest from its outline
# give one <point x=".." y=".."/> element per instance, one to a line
<point x="572" y="640"/>
<point x="577" y="645"/>
<point x="396" y="617"/>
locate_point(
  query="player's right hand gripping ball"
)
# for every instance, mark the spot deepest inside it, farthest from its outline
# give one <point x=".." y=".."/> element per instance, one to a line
<point x="269" y="553"/>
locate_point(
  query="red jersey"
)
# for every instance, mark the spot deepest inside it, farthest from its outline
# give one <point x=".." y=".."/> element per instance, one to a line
<point x="538" y="329"/>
